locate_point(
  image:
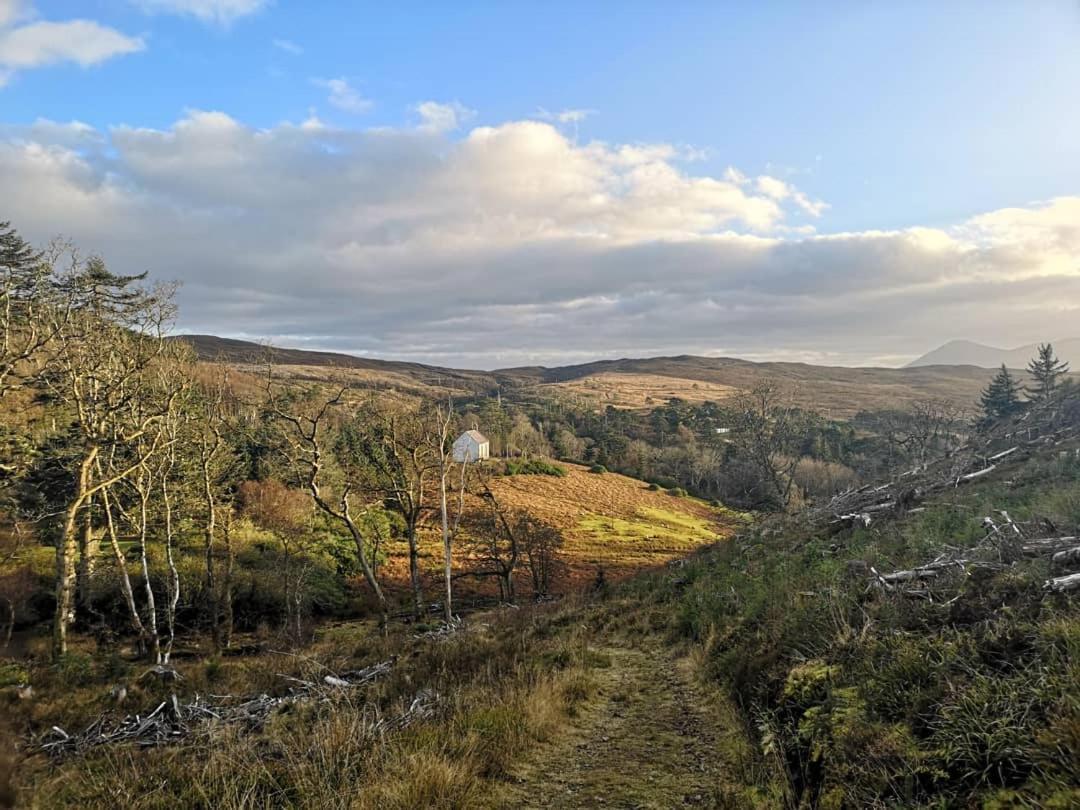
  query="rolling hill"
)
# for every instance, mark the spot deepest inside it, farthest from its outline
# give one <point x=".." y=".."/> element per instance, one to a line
<point x="633" y="383"/>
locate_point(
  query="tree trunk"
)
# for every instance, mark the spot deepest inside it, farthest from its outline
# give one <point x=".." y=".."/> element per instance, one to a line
<point x="448" y="595"/>
<point x="365" y="564"/>
<point x="89" y="549"/>
<point x="151" y="607"/>
<point x="226" y="587"/>
<point x="66" y="549"/>
<point x="213" y="603"/>
<point x="121" y="568"/>
<point x="174" y="575"/>
<point x="414" y="567"/>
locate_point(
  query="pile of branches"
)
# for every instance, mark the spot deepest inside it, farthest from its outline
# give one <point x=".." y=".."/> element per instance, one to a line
<point x="174" y="720"/>
<point x="444" y="631"/>
<point x="989" y="453"/>
<point x="1053" y="427"/>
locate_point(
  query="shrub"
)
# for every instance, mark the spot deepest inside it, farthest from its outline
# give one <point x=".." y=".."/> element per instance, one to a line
<point x="677" y="492"/>
<point x="599" y="469"/>
<point x="654" y="487"/>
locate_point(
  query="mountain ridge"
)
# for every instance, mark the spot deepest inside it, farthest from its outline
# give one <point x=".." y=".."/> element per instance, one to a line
<point x="972" y="353"/>
<point x="636" y="383"/>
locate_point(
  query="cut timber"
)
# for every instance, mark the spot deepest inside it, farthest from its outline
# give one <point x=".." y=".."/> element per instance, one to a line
<point x="910" y="576"/>
<point x="1048" y="545"/>
<point x="1063" y="584"/>
<point x="1066" y="559"/>
<point x="976" y="474"/>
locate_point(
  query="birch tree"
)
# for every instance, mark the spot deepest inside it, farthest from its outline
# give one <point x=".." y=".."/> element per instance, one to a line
<point x="304" y="422"/>
<point x="109" y="338"/>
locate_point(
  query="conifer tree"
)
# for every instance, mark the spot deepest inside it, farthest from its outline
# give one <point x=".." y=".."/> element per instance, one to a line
<point x="1045" y="368"/>
<point x="1002" y="396"/>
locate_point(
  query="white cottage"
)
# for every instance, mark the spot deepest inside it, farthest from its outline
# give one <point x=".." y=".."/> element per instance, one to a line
<point x="470" y="446"/>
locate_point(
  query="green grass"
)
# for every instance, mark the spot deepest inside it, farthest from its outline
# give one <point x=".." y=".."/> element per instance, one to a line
<point x="677" y="529"/>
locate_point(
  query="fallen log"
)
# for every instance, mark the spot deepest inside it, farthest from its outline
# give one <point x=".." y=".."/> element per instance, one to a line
<point x="910" y="576"/>
<point x="1048" y="545"/>
<point x="1067" y="558"/>
<point x="977" y="474"/>
<point x="1064" y="584"/>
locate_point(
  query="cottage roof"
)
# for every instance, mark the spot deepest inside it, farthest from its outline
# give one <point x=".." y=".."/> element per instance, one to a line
<point x="475" y="435"/>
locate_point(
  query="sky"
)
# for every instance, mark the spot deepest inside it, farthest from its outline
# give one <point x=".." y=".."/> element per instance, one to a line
<point x="502" y="183"/>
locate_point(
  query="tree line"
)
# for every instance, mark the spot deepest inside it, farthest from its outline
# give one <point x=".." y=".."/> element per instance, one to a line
<point x="116" y="444"/>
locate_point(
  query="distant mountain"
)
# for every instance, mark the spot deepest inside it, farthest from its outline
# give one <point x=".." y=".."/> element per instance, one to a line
<point x="969" y="353"/>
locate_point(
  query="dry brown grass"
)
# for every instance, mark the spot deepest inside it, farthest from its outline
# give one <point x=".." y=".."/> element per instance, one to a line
<point x="836" y="392"/>
<point x="507" y="685"/>
<point x="640" y="391"/>
<point x="609" y="521"/>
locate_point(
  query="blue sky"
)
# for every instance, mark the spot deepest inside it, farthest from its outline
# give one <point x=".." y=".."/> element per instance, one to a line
<point x="894" y="115"/>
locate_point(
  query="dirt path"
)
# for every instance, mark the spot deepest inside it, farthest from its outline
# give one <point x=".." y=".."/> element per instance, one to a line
<point x="648" y="739"/>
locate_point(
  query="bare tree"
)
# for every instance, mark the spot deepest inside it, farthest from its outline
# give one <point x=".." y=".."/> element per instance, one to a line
<point x="108" y="343"/>
<point x="768" y="431"/>
<point x="211" y="424"/>
<point x="304" y="421"/>
<point x="493" y="533"/>
<point x="441" y="438"/>
<point x="541" y="544"/>
<point x="389" y="448"/>
<point x="927" y="426"/>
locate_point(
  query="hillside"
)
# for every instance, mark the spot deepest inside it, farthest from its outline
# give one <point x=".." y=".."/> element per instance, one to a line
<point x="837" y="391"/>
<point x="921" y="656"/>
<point x="246" y="353"/>
<point x="628" y="383"/>
<point x="969" y="353"/>
<point x="609" y="522"/>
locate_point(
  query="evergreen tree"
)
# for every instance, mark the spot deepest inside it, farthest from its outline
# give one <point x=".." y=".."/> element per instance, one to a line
<point x="1045" y="369"/>
<point x="1002" y="396"/>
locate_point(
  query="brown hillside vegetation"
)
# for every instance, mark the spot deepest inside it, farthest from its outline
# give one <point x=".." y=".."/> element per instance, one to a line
<point x="608" y="521"/>
<point x="836" y="391"/>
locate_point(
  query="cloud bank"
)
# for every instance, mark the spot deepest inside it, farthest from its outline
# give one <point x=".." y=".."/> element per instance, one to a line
<point x="513" y="244"/>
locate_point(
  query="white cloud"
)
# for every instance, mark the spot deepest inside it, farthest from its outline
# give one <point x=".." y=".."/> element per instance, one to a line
<point x="33" y="44"/>
<point x="565" y="116"/>
<point x="344" y="96"/>
<point x="780" y="190"/>
<point x="512" y="244"/>
<point x="436" y="117"/>
<point x="220" y="12"/>
<point x="288" y="46"/>
<point x="10" y="10"/>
